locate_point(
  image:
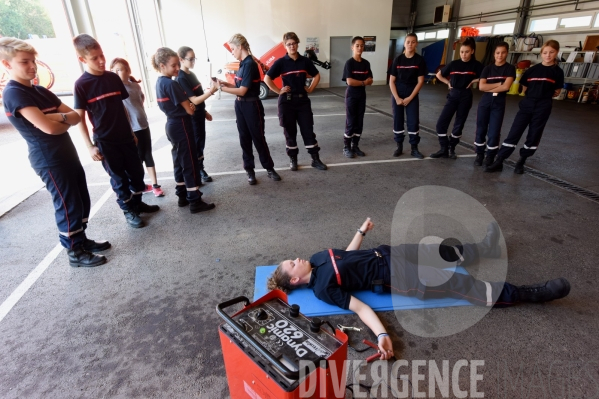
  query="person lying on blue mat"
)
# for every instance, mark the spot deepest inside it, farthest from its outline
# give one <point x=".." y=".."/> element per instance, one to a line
<point x="334" y="273"/>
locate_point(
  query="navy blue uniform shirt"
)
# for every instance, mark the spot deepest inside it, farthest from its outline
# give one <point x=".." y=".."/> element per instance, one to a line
<point x="407" y="70"/>
<point x="190" y="84"/>
<point x="248" y="76"/>
<point x="102" y="97"/>
<point x="170" y="95"/>
<point x="461" y="74"/>
<point x="357" y="270"/>
<point x="498" y="74"/>
<point x="542" y="81"/>
<point x="293" y="72"/>
<point x="358" y="71"/>
<point x="45" y="150"/>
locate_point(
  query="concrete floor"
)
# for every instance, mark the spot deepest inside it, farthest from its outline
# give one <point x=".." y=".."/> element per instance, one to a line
<point x="144" y="325"/>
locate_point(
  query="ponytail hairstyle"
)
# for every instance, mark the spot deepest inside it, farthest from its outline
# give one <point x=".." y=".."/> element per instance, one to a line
<point x="183" y="51"/>
<point x="240" y="41"/>
<point x="162" y="56"/>
<point x="554" y="44"/>
<point x="279" y="280"/>
<point x="124" y="63"/>
<point x="502" y="44"/>
<point x="469" y="41"/>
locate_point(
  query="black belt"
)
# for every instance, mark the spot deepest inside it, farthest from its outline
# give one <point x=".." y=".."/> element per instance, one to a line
<point x="289" y="95"/>
<point x="247" y="98"/>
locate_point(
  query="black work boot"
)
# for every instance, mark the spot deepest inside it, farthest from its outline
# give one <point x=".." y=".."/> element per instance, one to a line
<point x="95" y="246"/>
<point x="552" y="289"/>
<point x="251" y="177"/>
<point x="142" y="207"/>
<point x="452" y="154"/>
<point x="356" y="150"/>
<point x="273" y="174"/>
<point x="182" y="201"/>
<point x="478" y="161"/>
<point x="348" y="152"/>
<point x="399" y="150"/>
<point x="203" y="175"/>
<point x="200" y="206"/>
<point x="317" y="163"/>
<point x="293" y="162"/>
<point x="442" y="153"/>
<point x="415" y="153"/>
<point x="489" y="159"/>
<point x="489" y="246"/>
<point x="519" y="169"/>
<point x="133" y="219"/>
<point x="496" y="166"/>
<point x="79" y="257"/>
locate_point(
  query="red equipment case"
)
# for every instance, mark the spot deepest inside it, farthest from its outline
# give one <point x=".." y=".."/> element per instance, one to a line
<point x="271" y="351"/>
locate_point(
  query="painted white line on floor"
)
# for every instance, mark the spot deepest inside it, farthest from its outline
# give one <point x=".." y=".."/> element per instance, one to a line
<point x="240" y="172"/>
<point x="18" y="293"/>
<point x="276" y="117"/>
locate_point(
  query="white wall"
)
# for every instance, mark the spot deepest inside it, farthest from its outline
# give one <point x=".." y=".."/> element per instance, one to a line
<point x="263" y="23"/>
<point x="473" y="7"/>
<point x="425" y="10"/>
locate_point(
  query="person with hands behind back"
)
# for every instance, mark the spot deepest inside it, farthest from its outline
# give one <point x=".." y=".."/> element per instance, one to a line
<point x="413" y="270"/>
<point x="174" y="102"/>
<point x="249" y="111"/>
<point x="43" y="121"/>
<point x="294" y="105"/>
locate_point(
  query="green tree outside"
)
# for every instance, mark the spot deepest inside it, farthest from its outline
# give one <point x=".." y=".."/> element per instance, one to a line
<point x="19" y="18"/>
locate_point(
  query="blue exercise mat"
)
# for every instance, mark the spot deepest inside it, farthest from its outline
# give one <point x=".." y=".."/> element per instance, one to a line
<point x="312" y="306"/>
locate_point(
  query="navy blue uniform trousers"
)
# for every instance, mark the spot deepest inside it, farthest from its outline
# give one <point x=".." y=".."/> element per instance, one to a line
<point x="459" y="102"/>
<point x="185" y="161"/>
<point x="250" y="124"/>
<point x="293" y="112"/>
<point x="68" y="187"/>
<point x="412" y="114"/>
<point x="198" y="121"/>
<point x="409" y="274"/>
<point x="489" y="119"/>
<point x="533" y="113"/>
<point x="355" y="107"/>
<point x="121" y="162"/>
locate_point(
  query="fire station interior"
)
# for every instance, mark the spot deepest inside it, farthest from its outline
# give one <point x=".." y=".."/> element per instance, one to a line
<point x="145" y="325"/>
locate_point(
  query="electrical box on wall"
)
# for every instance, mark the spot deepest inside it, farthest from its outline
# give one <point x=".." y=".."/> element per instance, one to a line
<point x="442" y="14"/>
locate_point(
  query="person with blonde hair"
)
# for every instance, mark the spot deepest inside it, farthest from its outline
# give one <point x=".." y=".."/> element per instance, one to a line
<point x="43" y="121"/>
<point x="249" y="110"/>
<point x="294" y="105"/>
<point x="174" y="102"/>
<point x="540" y="83"/>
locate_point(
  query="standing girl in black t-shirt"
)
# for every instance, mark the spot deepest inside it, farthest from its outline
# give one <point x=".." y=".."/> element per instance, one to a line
<point x="540" y="83"/>
<point x="356" y="75"/>
<point x="193" y="88"/>
<point x="406" y="78"/>
<point x="459" y="75"/>
<point x="495" y="81"/>
<point x="174" y="102"/>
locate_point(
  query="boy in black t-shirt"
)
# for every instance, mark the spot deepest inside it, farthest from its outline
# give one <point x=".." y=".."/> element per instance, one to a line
<point x="43" y="121"/>
<point x="100" y="93"/>
<point x="357" y="75"/>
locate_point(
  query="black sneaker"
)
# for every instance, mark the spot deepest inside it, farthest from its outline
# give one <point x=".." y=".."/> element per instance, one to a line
<point x="348" y="152"/>
<point x="79" y="257"/>
<point x="145" y="208"/>
<point x="251" y="177"/>
<point x="552" y="289"/>
<point x="133" y="219"/>
<point x="358" y="151"/>
<point x="200" y="206"/>
<point x="95" y="246"/>
<point x="442" y="153"/>
<point x="205" y="177"/>
<point x="293" y="163"/>
<point x="273" y="174"/>
<point x="478" y="161"/>
<point x="182" y="201"/>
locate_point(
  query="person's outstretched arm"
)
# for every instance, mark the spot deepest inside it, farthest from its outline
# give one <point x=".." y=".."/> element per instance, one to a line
<point x="373" y="322"/>
<point x="357" y="241"/>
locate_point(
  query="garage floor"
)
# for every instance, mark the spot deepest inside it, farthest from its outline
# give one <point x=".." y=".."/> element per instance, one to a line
<point x="144" y="325"/>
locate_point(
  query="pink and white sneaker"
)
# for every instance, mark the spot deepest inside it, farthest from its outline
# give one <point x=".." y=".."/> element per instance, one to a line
<point x="158" y="191"/>
<point x="148" y="189"/>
